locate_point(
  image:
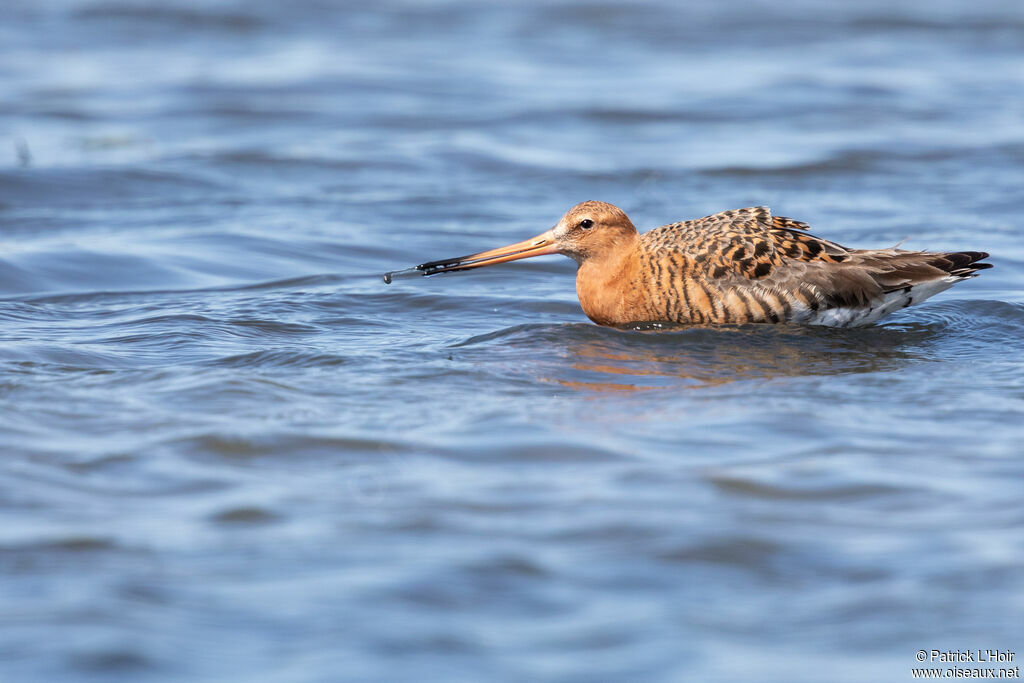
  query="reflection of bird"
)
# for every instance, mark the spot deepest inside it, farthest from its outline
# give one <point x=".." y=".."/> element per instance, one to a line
<point x="738" y="266"/>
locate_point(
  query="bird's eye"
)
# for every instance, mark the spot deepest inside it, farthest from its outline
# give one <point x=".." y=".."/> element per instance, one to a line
<point x="586" y="223"/>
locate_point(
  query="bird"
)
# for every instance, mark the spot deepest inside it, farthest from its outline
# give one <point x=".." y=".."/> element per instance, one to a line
<point x="733" y="267"/>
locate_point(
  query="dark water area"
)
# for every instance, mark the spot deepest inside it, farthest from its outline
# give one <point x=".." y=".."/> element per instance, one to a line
<point x="229" y="451"/>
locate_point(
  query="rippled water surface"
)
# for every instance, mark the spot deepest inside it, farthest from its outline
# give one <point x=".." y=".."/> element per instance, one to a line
<point x="229" y="451"/>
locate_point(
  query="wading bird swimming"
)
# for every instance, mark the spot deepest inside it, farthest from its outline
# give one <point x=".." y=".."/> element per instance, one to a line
<point x="739" y="266"/>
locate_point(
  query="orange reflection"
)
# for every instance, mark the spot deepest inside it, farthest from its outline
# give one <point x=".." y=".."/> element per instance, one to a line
<point x="705" y="357"/>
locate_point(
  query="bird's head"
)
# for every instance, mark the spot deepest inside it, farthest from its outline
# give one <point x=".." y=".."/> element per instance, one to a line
<point x="587" y="230"/>
<point x="590" y="229"/>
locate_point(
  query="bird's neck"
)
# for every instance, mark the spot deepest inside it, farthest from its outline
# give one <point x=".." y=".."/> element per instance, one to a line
<point x="605" y="282"/>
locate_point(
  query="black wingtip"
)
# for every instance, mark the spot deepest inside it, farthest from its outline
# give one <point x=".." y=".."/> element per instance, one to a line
<point x="963" y="263"/>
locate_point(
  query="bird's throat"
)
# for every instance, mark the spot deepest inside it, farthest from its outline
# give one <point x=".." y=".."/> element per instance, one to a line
<point x="605" y="284"/>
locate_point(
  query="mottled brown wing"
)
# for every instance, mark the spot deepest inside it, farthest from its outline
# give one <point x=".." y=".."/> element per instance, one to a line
<point x="749" y="243"/>
<point x="753" y="266"/>
<point x="746" y="265"/>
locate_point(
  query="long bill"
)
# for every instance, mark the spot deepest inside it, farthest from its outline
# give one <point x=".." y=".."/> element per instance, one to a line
<point x="536" y="246"/>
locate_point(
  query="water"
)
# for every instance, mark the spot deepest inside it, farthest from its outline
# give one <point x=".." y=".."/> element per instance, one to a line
<point x="231" y="452"/>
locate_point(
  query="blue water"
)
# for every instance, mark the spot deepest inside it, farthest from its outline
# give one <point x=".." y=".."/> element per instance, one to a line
<point x="231" y="452"/>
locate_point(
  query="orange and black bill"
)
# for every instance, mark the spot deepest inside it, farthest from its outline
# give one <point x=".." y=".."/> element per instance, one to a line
<point x="537" y="246"/>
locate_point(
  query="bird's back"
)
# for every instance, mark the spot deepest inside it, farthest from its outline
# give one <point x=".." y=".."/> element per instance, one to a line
<point x="746" y="265"/>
